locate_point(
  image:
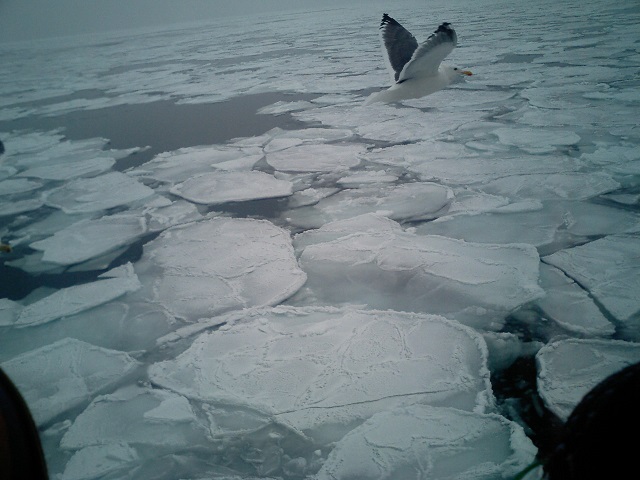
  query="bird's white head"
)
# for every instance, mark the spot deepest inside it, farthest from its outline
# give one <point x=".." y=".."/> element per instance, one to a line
<point x="454" y="74"/>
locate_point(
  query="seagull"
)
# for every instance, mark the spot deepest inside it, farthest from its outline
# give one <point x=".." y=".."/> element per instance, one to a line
<point x="415" y="69"/>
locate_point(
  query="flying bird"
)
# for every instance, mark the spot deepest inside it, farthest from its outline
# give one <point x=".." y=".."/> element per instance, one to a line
<point x="416" y="70"/>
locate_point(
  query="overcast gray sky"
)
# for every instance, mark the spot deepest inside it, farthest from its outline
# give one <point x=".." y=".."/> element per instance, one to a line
<point x="23" y="19"/>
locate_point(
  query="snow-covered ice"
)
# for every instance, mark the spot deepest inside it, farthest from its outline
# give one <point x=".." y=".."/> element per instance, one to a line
<point x="319" y="292"/>
<point x="118" y="324"/>
<point x="62" y="375"/>
<point x="568" y="369"/>
<point x="9" y="311"/>
<point x="77" y="298"/>
<point x="408" y="202"/>
<point x="282" y="139"/>
<point x="216" y="188"/>
<point x="18" y="185"/>
<point x="421" y="441"/>
<point x="20" y="206"/>
<point x="608" y="268"/>
<point x="477" y="284"/>
<point x="183" y="164"/>
<point x="103" y="441"/>
<point x="219" y="264"/>
<point x="535" y="140"/>
<point x="108" y="419"/>
<point x="536" y="227"/>
<point x="336" y="366"/>
<point x="97" y="460"/>
<point x="90" y="238"/>
<point x="96" y="194"/>
<point x="583" y="316"/>
<point x="315" y="158"/>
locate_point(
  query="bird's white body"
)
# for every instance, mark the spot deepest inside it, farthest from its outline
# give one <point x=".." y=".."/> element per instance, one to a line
<point x="416" y="87"/>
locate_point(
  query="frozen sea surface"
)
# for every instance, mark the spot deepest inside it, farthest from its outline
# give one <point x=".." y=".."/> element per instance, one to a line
<point x="224" y="266"/>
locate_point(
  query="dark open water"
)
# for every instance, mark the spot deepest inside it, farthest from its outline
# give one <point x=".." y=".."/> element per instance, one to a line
<point x="162" y="126"/>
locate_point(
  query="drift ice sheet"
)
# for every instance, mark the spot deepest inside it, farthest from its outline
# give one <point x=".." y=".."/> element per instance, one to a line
<point x="477" y="284"/>
<point x="608" y="268"/>
<point x="336" y="366"/>
<point x="570" y="305"/>
<point x="90" y="238"/>
<point x="568" y="369"/>
<point x="106" y="191"/>
<point x="409" y="201"/>
<point x="425" y="442"/>
<point x="77" y="298"/>
<point x="221" y="187"/>
<point x="64" y="374"/>
<point x="210" y="267"/>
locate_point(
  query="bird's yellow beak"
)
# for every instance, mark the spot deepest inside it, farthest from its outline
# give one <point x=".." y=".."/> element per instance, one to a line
<point x="466" y="72"/>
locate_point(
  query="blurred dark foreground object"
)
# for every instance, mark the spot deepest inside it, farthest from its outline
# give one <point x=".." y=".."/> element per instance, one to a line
<point x="600" y="438"/>
<point x="21" y="456"/>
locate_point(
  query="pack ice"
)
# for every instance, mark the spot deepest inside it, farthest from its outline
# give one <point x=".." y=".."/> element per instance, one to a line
<point x="374" y="262"/>
<point x="348" y="291"/>
<point x="209" y="267"/>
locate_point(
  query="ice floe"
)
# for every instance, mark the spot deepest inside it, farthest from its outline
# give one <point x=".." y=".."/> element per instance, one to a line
<point x="608" y="269"/>
<point x="508" y="203"/>
<point x="120" y="324"/>
<point x="453" y="163"/>
<point x="21" y="206"/>
<point x="475" y="283"/>
<point x="99" y="193"/>
<point x="570" y="305"/>
<point x="405" y="202"/>
<point x="221" y="187"/>
<point x="337" y="366"/>
<point x="366" y="178"/>
<point x="69" y="169"/>
<point x="18" y="185"/>
<point x="568" y="369"/>
<point x="77" y="298"/>
<point x="281" y="139"/>
<point x="536" y="141"/>
<point x="537" y="227"/>
<point x="183" y="164"/>
<point x="9" y="311"/>
<point x="573" y="186"/>
<point x="315" y="158"/>
<point x="102" y="441"/>
<point x="98" y="460"/>
<point x="152" y="410"/>
<point x="215" y="265"/>
<point x="284" y="107"/>
<point x="421" y="441"/>
<point x="90" y="238"/>
<point x="64" y="374"/>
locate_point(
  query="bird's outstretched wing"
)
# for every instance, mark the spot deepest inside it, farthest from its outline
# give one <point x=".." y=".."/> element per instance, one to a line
<point x="427" y="57"/>
<point x="398" y="44"/>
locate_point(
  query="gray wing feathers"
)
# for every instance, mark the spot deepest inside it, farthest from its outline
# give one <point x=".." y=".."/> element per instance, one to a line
<point x="427" y="57"/>
<point x="400" y="45"/>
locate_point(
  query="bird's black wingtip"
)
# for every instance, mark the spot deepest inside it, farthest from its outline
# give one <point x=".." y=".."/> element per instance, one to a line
<point x="446" y="29"/>
<point x="387" y="20"/>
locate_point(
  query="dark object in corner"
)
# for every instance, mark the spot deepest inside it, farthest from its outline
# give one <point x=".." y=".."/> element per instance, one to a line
<point x="1" y="147"/>
<point x="21" y="455"/>
<point x="599" y="439"/>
